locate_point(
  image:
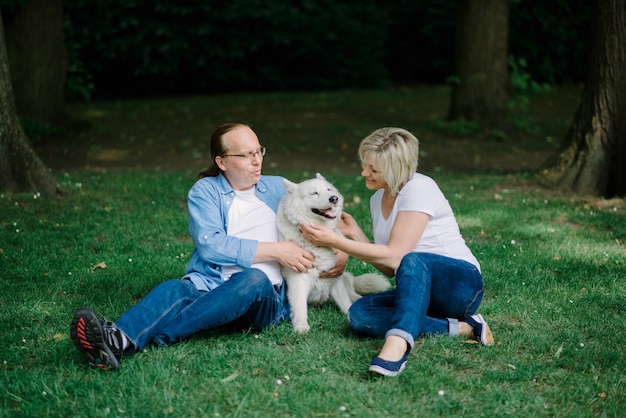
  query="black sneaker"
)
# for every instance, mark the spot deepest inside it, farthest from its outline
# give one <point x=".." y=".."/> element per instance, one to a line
<point x="100" y="341"/>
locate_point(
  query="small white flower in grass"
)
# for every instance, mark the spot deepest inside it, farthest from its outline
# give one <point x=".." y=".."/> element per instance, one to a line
<point x="279" y="382"/>
<point x="582" y="345"/>
<point x="512" y="242"/>
<point x="571" y="301"/>
<point x="343" y="408"/>
<point x="287" y="377"/>
<point x="356" y="199"/>
<point x="130" y="260"/>
<point x="69" y="273"/>
<point x="441" y="393"/>
<point x="323" y="369"/>
<point x="17" y="231"/>
<point x="44" y="393"/>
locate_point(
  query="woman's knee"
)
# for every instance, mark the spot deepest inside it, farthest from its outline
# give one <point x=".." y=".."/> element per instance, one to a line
<point x="414" y="261"/>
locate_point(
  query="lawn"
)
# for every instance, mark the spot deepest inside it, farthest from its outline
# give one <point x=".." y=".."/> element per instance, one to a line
<point x="555" y="299"/>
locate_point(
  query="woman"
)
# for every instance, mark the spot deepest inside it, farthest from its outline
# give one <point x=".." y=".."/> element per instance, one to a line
<point x="439" y="285"/>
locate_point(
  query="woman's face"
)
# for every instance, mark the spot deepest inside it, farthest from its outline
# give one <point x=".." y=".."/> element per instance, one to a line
<point x="373" y="176"/>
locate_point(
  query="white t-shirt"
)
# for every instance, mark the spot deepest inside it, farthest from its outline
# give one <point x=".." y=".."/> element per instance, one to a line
<point x="250" y="218"/>
<point x="441" y="235"/>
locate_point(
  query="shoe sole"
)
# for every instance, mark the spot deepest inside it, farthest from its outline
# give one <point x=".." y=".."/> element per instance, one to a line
<point x="87" y="335"/>
<point x="486" y="337"/>
<point x="374" y="369"/>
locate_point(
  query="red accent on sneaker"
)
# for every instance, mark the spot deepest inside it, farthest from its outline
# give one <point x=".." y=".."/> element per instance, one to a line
<point x="82" y="337"/>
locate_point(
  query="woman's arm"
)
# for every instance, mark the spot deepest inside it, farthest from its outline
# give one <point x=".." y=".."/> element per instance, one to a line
<point x="406" y="232"/>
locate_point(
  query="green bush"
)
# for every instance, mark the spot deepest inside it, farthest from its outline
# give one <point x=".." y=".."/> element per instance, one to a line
<point x="239" y="45"/>
<point x="164" y="47"/>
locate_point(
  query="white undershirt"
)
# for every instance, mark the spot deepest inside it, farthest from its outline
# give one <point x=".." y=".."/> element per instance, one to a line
<point x="250" y="218"/>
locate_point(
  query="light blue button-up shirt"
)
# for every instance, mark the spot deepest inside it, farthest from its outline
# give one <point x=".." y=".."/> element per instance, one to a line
<point x="208" y="201"/>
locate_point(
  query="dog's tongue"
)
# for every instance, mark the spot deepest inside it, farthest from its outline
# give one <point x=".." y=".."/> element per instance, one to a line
<point x="330" y="212"/>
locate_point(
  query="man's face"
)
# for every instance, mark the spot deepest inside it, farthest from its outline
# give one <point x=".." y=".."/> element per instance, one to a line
<point x="243" y="160"/>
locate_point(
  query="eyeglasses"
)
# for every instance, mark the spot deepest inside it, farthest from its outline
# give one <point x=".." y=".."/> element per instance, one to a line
<point x="249" y="155"/>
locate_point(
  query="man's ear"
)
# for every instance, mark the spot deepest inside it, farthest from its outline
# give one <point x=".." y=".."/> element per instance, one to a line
<point x="220" y="163"/>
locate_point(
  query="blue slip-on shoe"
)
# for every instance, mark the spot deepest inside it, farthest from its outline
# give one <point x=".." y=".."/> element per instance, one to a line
<point x="481" y="330"/>
<point x="388" y="368"/>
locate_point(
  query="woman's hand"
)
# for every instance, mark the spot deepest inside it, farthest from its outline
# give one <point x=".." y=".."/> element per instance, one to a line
<point x="351" y="229"/>
<point x="317" y="234"/>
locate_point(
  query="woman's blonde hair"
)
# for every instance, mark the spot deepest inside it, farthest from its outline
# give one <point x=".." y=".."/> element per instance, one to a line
<point x="393" y="151"/>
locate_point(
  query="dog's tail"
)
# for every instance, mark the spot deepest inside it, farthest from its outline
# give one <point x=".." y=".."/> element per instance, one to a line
<point x="370" y="283"/>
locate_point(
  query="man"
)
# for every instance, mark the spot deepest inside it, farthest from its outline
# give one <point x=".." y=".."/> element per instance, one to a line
<point x="233" y="277"/>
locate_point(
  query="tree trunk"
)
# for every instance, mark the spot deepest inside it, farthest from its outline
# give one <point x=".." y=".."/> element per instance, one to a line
<point x="483" y="89"/>
<point x="21" y="170"/>
<point x="592" y="159"/>
<point x="38" y="60"/>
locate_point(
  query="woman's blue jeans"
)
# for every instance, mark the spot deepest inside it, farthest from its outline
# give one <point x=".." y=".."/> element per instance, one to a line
<point x="176" y="309"/>
<point x="431" y="292"/>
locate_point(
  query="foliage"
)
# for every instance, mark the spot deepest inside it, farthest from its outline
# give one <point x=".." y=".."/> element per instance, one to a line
<point x="554" y="298"/>
<point x="552" y="37"/>
<point x="167" y="47"/>
<point x="522" y="84"/>
<point x="237" y="45"/>
<point x="458" y="127"/>
<point x="78" y="82"/>
<point x="36" y="130"/>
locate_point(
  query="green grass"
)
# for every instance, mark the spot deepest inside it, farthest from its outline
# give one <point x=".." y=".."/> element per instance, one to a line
<point x="555" y="299"/>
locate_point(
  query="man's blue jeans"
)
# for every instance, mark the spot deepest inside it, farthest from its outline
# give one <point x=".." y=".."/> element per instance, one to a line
<point x="176" y="309"/>
<point x="432" y="292"/>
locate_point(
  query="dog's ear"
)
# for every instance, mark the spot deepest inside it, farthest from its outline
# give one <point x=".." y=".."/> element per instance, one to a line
<point x="289" y="185"/>
<point x="319" y="176"/>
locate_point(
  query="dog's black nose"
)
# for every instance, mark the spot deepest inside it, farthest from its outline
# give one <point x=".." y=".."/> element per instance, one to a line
<point x="333" y="200"/>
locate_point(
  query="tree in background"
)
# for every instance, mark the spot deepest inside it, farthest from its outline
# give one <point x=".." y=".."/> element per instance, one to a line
<point x="481" y="80"/>
<point x="593" y="156"/>
<point x="21" y="170"/>
<point x="37" y="59"/>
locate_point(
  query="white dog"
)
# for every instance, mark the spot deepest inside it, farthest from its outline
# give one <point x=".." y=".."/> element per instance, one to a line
<point x="318" y="201"/>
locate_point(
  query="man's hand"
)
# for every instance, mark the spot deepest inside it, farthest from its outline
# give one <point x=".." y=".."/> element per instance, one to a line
<point x="342" y="261"/>
<point x="294" y="257"/>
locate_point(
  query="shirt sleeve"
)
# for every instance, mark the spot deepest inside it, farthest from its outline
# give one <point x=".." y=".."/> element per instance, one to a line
<point x="420" y="195"/>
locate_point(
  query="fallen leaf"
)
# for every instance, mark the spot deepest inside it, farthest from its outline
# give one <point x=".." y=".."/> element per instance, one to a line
<point x="100" y="265"/>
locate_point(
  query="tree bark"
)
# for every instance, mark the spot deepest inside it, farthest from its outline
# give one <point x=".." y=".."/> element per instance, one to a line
<point x="38" y="60"/>
<point x="21" y="170"/>
<point x="592" y="159"/>
<point x="483" y="89"/>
